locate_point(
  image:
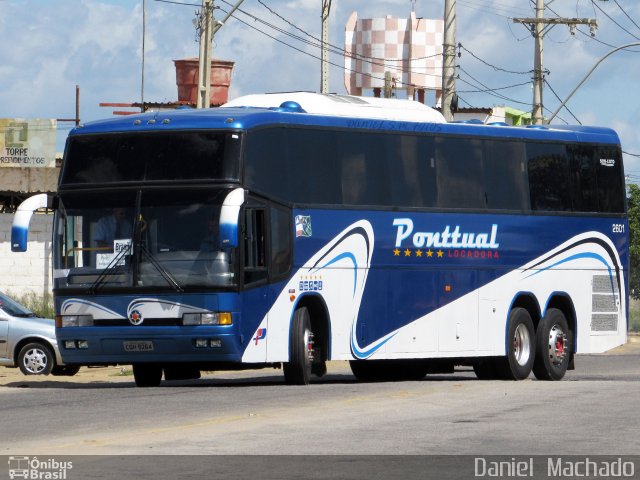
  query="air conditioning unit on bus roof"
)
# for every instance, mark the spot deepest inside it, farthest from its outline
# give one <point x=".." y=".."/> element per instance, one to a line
<point x="344" y="106"/>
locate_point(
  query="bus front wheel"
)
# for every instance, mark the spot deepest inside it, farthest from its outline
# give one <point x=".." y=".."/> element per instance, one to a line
<point x="297" y="371"/>
<point x="147" y="374"/>
<point x="553" y="346"/>
<point x="518" y="362"/>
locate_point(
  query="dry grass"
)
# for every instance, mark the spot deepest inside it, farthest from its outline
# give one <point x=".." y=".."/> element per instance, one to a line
<point x="634" y="316"/>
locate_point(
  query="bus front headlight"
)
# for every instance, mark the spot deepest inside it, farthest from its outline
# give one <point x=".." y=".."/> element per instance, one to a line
<point x="207" y="318"/>
<point x="74" y="321"/>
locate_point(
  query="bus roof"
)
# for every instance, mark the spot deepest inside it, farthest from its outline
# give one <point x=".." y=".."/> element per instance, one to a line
<point x="344" y="106"/>
<point x="311" y="109"/>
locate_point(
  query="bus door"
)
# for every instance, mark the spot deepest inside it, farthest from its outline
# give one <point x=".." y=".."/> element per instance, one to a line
<point x="267" y="261"/>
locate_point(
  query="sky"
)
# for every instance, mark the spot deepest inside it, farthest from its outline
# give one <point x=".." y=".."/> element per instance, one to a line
<point x="50" y="46"/>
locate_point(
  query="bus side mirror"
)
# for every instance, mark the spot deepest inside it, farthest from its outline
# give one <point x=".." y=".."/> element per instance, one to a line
<point x="22" y="219"/>
<point x="229" y="216"/>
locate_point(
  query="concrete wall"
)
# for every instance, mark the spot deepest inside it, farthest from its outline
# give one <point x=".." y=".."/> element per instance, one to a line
<point x="31" y="180"/>
<point x="21" y="273"/>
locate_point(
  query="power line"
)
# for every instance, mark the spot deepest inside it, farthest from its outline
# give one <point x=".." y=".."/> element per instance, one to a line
<point x="626" y="14"/>
<point x="588" y="35"/>
<point x="179" y="3"/>
<point x="497" y="88"/>
<point x="488" y="89"/>
<point x="610" y="18"/>
<point x="336" y="50"/>
<point x="499" y="69"/>
<point x="560" y="100"/>
<point x="310" y="54"/>
<point x="483" y="8"/>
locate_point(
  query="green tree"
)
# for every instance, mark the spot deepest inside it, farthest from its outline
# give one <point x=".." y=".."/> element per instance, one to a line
<point x="634" y="240"/>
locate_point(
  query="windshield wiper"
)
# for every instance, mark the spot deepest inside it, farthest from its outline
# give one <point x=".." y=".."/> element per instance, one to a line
<point x="108" y="270"/>
<point x="158" y="266"/>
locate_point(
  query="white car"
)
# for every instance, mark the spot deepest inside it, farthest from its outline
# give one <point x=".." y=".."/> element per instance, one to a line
<point x="29" y="342"/>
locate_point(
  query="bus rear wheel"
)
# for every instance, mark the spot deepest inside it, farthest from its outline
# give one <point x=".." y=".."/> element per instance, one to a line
<point x="147" y="374"/>
<point x="553" y="346"/>
<point x="520" y="356"/>
<point x="297" y="371"/>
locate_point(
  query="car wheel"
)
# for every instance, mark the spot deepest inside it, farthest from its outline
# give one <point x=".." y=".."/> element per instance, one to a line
<point x="36" y="358"/>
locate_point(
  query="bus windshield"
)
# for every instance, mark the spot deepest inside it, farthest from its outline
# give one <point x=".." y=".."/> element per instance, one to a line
<point x="144" y="239"/>
<point x="151" y="157"/>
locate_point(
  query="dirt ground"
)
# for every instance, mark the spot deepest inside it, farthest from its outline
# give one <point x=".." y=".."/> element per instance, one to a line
<point x="123" y="373"/>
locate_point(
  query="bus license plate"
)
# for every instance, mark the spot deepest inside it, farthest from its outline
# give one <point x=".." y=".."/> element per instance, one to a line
<point x="138" y="346"/>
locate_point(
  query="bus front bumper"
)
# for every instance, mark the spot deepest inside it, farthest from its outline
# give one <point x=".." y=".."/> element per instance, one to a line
<point x="109" y="345"/>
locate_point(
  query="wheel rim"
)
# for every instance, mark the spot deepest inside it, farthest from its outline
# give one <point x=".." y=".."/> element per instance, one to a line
<point x="308" y="344"/>
<point x="521" y="344"/>
<point x="557" y="345"/>
<point x="35" y="360"/>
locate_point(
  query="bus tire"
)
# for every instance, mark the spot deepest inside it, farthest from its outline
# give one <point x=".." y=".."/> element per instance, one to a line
<point x="297" y="371"/>
<point x="518" y="362"/>
<point x="553" y="346"/>
<point x="147" y="374"/>
<point x="485" y="369"/>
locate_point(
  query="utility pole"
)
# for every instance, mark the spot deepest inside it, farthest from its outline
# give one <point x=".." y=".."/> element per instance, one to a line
<point x="144" y="35"/>
<point x="204" y="58"/>
<point x="539" y="27"/>
<point x="449" y="59"/>
<point x="388" y="85"/>
<point x="207" y="28"/>
<point x="324" y="55"/>
<point x="538" y="75"/>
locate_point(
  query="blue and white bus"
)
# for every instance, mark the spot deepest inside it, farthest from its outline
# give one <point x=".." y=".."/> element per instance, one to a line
<point x="293" y="229"/>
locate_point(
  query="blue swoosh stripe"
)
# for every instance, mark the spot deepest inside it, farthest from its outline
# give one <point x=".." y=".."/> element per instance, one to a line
<point x="578" y="256"/>
<point x="363" y="354"/>
<point x="342" y="256"/>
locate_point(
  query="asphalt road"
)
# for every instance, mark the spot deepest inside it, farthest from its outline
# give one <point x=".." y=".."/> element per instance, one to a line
<point x="592" y="411"/>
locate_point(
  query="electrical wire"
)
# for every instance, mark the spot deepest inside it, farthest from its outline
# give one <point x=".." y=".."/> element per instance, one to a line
<point x="498" y="69"/>
<point x="338" y="51"/>
<point x="389" y="63"/>
<point x="610" y="18"/>
<point x="497" y="88"/>
<point x="626" y="14"/>
<point x="315" y="56"/>
<point x="560" y="100"/>
<point x="481" y="9"/>
<point x="179" y="3"/>
<point x="488" y="89"/>
<point x="318" y="42"/>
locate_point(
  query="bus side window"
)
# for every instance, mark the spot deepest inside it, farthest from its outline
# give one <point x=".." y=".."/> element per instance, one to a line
<point x="611" y="188"/>
<point x="549" y="179"/>
<point x="281" y="233"/>
<point x="255" y="268"/>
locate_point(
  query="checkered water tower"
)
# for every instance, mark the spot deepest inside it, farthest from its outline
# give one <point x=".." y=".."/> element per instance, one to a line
<point x="409" y="49"/>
